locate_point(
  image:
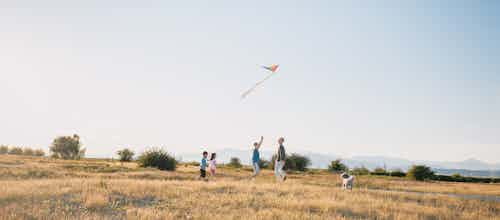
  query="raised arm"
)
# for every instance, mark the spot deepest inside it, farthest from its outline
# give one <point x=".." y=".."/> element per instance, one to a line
<point x="260" y="142"/>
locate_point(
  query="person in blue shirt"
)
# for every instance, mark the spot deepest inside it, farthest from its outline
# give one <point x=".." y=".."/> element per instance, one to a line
<point x="203" y="166"/>
<point x="256" y="157"/>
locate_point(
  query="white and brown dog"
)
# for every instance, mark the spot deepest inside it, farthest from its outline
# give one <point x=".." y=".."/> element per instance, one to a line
<point x="347" y="181"/>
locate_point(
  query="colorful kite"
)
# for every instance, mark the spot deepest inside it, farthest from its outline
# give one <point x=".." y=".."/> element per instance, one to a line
<point x="273" y="68"/>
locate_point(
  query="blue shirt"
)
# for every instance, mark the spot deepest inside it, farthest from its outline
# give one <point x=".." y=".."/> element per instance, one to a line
<point x="203" y="164"/>
<point x="256" y="156"/>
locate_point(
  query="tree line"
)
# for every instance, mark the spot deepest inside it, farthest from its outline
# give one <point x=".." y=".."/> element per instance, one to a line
<point x="415" y="172"/>
<point x="26" y="151"/>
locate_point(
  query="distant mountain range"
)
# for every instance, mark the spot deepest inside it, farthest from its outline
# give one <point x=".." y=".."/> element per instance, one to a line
<point x="469" y="167"/>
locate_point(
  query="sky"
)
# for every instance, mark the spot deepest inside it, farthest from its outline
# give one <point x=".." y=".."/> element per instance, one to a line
<point x="412" y="79"/>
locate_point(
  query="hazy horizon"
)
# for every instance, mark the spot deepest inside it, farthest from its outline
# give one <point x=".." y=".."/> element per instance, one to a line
<point x="414" y="80"/>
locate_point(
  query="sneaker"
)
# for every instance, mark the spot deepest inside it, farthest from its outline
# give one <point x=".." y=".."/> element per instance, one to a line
<point x="284" y="178"/>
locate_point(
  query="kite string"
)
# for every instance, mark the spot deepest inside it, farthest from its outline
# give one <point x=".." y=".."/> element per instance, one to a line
<point x="256" y="85"/>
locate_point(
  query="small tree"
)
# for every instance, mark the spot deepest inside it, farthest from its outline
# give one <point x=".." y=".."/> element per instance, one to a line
<point x="420" y="172"/>
<point x="297" y="162"/>
<point x="125" y="155"/>
<point x="159" y="158"/>
<point x="337" y="166"/>
<point x="235" y="162"/>
<point x="16" y="151"/>
<point x="4" y="149"/>
<point x="67" y="147"/>
<point x="294" y="161"/>
<point x="457" y="177"/>
<point x="360" y="171"/>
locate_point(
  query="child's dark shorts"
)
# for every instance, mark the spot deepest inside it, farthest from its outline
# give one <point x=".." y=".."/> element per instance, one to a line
<point x="203" y="173"/>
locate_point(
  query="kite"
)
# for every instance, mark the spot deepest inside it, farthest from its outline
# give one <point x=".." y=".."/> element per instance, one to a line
<point x="273" y="68"/>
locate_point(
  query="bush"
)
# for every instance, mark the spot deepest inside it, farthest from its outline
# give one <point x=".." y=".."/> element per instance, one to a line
<point x="235" y="162"/>
<point x="16" y="151"/>
<point x="28" y="151"/>
<point x="397" y="173"/>
<point x="67" y="147"/>
<point x="420" y="172"/>
<point x="39" y="153"/>
<point x="294" y="162"/>
<point x="264" y="164"/>
<point x="156" y="157"/>
<point x="125" y="155"/>
<point x="379" y="172"/>
<point x="297" y="162"/>
<point x="337" y="166"/>
<point x="360" y="171"/>
<point x="459" y="178"/>
<point x="4" y="149"/>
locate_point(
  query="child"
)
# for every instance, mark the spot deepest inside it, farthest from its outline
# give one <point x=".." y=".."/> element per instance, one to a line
<point x="256" y="157"/>
<point x="212" y="164"/>
<point x="203" y="166"/>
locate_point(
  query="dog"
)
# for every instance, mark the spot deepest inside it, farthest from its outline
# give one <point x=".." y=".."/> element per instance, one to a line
<point x="347" y="181"/>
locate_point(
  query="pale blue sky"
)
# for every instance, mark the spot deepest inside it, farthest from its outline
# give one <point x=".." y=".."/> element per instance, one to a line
<point x="412" y="79"/>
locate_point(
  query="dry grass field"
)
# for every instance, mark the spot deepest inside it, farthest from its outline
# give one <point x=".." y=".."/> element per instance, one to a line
<point x="42" y="188"/>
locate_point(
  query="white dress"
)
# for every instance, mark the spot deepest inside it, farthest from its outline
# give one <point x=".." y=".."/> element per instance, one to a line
<point x="212" y="165"/>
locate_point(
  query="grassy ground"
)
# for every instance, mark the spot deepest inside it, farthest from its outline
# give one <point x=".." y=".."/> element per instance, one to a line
<point x="41" y="188"/>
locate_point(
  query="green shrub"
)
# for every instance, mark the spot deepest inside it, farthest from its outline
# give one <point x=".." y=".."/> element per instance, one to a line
<point x="125" y="155"/>
<point x="16" y="151"/>
<point x="467" y="179"/>
<point x="235" y="162"/>
<point x="420" y="172"/>
<point x="337" y="166"/>
<point x="294" y="162"/>
<point x="264" y="164"/>
<point x="159" y="158"/>
<point x="67" y="147"/>
<point x="297" y="162"/>
<point x="379" y="172"/>
<point x="4" y="149"/>
<point x="360" y="171"/>
<point x="397" y="173"/>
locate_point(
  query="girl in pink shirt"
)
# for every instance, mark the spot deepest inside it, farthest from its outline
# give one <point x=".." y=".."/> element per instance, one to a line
<point x="212" y="164"/>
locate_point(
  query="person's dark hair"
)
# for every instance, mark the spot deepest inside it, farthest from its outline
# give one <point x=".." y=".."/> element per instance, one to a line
<point x="212" y="156"/>
<point x="255" y="143"/>
<point x="205" y="153"/>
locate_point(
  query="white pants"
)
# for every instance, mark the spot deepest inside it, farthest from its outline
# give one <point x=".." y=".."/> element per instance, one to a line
<point x="256" y="169"/>
<point x="278" y="170"/>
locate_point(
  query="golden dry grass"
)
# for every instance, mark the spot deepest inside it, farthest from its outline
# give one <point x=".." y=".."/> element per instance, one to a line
<point x="41" y="188"/>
